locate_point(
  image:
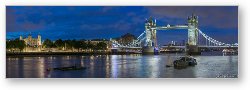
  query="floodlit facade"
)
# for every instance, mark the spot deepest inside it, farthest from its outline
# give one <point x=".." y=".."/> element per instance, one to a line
<point x="29" y="41"/>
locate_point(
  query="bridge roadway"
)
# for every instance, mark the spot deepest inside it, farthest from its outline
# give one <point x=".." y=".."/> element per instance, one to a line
<point x="170" y="27"/>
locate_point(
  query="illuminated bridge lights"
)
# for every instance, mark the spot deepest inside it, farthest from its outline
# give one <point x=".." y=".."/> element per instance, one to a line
<point x="148" y="37"/>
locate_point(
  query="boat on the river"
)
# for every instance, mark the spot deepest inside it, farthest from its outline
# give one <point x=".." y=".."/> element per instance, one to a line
<point x="168" y="65"/>
<point x="184" y="62"/>
<point x="67" y="68"/>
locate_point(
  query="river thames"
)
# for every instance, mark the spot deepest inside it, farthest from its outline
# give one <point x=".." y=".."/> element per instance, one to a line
<point x="209" y="65"/>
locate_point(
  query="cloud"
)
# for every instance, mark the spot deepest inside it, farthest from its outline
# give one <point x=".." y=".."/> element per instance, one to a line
<point x="86" y="22"/>
<point x="215" y="16"/>
<point x="16" y="21"/>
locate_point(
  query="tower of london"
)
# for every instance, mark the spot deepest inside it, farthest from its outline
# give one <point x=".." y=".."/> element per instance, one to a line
<point x="32" y="42"/>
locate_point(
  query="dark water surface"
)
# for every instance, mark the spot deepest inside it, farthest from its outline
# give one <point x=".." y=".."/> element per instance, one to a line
<point x="122" y="66"/>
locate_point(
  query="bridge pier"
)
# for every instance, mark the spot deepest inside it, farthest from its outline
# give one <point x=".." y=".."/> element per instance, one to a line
<point x="193" y="50"/>
<point x="150" y="50"/>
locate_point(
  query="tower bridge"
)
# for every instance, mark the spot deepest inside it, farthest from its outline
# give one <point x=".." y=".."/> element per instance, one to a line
<point x="148" y="41"/>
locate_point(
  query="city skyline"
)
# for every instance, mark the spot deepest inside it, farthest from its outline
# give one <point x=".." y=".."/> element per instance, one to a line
<point x="93" y="22"/>
<point x="121" y="42"/>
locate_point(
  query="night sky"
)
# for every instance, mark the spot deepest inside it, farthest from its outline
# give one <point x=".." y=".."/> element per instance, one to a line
<point x="95" y="22"/>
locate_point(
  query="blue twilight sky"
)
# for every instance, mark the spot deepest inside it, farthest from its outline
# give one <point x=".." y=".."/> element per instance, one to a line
<point x="93" y="22"/>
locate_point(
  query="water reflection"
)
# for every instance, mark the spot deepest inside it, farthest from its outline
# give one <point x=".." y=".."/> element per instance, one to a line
<point x="121" y="66"/>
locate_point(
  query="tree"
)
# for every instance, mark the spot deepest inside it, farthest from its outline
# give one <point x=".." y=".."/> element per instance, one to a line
<point x="77" y="44"/>
<point x="73" y="43"/>
<point x="8" y="45"/>
<point x="101" y="46"/>
<point x="90" y="46"/>
<point x="59" y="43"/>
<point x="15" y="44"/>
<point x="69" y="44"/>
<point x="84" y="45"/>
<point x="48" y="44"/>
<point x="21" y="45"/>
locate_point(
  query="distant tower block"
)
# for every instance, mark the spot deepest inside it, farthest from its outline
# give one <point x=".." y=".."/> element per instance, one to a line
<point x="192" y="45"/>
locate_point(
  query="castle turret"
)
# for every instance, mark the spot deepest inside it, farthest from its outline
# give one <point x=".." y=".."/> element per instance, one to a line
<point x="21" y="37"/>
<point x="39" y="40"/>
<point x="30" y="37"/>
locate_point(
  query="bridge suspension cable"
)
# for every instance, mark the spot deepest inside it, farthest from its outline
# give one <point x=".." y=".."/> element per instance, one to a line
<point x="134" y="43"/>
<point x="213" y="41"/>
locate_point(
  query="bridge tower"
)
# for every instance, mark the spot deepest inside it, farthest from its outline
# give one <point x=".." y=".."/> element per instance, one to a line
<point x="192" y="45"/>
<point x="150" y="46"/>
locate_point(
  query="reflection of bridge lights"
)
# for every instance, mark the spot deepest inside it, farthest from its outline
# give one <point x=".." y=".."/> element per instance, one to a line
<point x="91" y="57"/>
<point x="114" y="66"/>
<point x="155" y="66"/>
<point x="91" y="63"/>
<point x="50" y="57"/>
